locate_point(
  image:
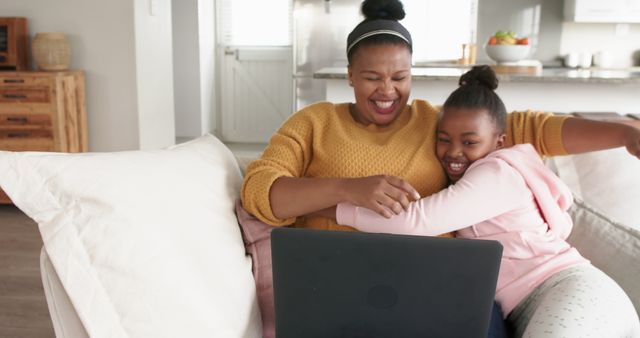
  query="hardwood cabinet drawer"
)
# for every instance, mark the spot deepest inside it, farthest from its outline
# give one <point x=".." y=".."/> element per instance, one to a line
<point x="36" y="120"/>
<point x="27" y="108"/>
<point x="24" y="134"/>
<point x="27" y="140"/>
<point x="23" y="80"/>
<point x="20" y="95"/>
<point x="34" y="144"/>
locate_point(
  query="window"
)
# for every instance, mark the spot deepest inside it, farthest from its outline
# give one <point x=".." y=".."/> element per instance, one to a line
<point x="255" y="22"/>
<point x="440" y="27"/>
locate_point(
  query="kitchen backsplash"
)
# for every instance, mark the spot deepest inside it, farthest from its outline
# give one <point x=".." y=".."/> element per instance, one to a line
<point x="539" y="19"/>
<point x="553" y="37"/>
<point x="622" y="41"/>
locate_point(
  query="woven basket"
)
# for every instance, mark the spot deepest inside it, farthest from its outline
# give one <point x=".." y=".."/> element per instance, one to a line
<point x="51" y="51"/>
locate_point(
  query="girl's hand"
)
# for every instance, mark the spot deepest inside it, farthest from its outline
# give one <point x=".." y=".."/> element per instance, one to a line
<point x="632" y="141"/>
<point x="386" y="195"/>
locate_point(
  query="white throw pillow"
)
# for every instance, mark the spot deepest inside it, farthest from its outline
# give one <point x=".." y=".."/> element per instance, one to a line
<point x="146" y="243"/>
<point x="608" y="180"/>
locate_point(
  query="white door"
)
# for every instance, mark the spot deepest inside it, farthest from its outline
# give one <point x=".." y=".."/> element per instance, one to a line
<point x="256" y="92"/>
<point x="256" y="71"/>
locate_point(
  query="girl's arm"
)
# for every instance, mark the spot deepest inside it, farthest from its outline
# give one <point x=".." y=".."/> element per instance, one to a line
<point x="487" y="190"/>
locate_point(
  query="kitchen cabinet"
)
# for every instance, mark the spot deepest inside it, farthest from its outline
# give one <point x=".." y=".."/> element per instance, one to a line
<point x="42" y="111"/>
<point x="610" y="11"/>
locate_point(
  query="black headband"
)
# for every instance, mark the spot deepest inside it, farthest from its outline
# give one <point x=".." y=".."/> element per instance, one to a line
<point x="369" y="28"/>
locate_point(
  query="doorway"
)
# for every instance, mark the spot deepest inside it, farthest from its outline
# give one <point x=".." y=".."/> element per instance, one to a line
<point x="256" y="71"/>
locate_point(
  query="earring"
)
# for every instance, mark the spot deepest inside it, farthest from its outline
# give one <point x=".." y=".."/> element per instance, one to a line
<point x="351" y="83"/>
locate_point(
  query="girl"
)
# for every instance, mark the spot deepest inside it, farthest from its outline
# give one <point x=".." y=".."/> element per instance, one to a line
<point x="545" y="288"/>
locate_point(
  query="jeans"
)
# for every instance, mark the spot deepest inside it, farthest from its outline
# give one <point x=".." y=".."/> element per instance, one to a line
<point x="497" y="325"/>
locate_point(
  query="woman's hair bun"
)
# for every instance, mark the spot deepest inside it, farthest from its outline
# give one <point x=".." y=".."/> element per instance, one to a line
<point x="480" y="75"/>
<point x="383" y="9"/>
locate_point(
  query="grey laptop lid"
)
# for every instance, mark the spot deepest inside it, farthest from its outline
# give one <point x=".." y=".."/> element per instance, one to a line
<point x="346" y="284"/>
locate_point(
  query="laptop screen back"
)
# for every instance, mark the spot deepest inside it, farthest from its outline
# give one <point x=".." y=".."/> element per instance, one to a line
<point x="346" y="284"/>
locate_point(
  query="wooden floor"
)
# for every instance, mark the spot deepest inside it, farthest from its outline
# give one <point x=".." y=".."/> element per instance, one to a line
<point x="23" y="308"/>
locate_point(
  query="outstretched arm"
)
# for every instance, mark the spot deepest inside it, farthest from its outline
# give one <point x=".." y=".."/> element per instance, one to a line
<point x="582" y="135"/>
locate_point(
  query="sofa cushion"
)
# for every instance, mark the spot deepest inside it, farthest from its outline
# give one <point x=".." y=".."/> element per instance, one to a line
<point x="607" y="180"/>
<point x="145" y="243"/>
<point x="612" y="247"/>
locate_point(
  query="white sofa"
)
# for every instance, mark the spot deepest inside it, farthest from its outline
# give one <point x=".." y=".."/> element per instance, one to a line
<point x="597" y="237"/>
<point x="612" y="246"/>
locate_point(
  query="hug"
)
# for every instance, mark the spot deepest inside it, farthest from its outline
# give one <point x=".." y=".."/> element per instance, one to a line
<point x="467" y="169"/>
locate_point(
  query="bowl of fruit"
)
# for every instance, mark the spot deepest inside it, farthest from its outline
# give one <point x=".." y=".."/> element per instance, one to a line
<point x="506" y="46"/>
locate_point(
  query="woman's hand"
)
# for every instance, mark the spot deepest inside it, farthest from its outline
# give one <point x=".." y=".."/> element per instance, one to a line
<point x="386" y="195"/>
<point x="632" y="141"/>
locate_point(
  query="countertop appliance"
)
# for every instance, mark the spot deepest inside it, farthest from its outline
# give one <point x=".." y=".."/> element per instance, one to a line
<point x="320" y="30"/>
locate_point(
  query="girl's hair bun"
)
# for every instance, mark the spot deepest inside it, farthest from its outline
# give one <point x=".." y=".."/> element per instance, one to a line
<point x="383" y="9"/>
<point x="480" y="75"/>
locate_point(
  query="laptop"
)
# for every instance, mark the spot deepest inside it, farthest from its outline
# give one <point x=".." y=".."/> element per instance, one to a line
<point x="350" y="284"/>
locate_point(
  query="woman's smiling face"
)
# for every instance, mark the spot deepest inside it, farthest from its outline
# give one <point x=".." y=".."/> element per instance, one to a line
<point x="465" y="136"/>
<point x="381" y="79"/>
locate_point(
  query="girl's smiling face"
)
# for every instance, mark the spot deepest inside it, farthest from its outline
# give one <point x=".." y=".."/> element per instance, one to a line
<point x="381" y="79"/>
<point x="465" y="135"/>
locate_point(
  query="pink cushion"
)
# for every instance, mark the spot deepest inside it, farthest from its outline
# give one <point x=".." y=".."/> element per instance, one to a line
<point x="257" y="241"/>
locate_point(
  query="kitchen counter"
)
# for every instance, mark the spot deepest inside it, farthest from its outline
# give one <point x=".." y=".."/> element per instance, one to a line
<point x="545" y="75"/>
<point x="560" y="90"/>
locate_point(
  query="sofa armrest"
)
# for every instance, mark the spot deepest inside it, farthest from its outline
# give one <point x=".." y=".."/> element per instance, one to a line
<point x="610" y="246"/>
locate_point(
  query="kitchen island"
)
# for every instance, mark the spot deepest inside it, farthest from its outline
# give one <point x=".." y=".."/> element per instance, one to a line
<point x="560" y="90"/>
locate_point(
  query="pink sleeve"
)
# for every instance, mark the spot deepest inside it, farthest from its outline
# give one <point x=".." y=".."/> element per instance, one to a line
<point x="488" y="189"/>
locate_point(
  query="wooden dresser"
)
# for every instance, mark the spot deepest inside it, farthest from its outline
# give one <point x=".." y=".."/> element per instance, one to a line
<point x="42" y="111"/>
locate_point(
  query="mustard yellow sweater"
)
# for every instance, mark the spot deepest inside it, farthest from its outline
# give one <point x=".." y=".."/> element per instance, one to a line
<point x="323" y="140"/>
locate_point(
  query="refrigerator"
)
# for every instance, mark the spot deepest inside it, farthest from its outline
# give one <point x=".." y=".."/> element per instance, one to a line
<point x="320" y="30"/>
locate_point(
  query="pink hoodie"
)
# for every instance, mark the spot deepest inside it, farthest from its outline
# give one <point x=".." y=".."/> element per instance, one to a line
<point x="508" y="196"/>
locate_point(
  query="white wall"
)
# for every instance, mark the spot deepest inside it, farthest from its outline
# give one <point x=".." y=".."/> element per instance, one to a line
<point x="154" y="71"/>
<point x="186" y="59"/>
<point x="102" y="37"/>
<point x="207" y="38"/>
<point x="193" y="55"/>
